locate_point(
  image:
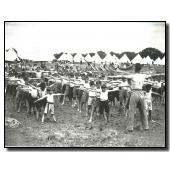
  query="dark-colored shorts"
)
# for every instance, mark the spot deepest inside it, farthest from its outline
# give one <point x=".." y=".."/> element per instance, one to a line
<point x="80" y="92"/>
<point x="75" y="92"/>
<point x="84" y="97"/>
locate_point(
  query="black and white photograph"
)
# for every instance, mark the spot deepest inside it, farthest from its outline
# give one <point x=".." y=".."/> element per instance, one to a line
<point x="85" y="84"/>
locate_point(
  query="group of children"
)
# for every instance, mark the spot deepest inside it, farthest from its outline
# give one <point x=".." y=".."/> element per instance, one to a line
<point x="93" y="94"/>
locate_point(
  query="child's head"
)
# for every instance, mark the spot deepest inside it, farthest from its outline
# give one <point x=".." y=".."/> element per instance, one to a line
<point x="98" y="84"/>
<point x="91" y="83"/>
<point x="103" y="87"/>
<point x="49" y="90"/>
<point x="147" y="88"/>
<point x="123" y="79"/>
<point x="86" y="80"/>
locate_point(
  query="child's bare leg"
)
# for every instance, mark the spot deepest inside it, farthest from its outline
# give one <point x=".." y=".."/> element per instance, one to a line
<point x="63" y="100"/>
<point x="91" y="115"/>
<point x="19" y="107"/>
<point x="43" y="118"/>
<point x="88" y="109"/>
<point x="54" y="118"/>
<point x="37" y="114"/>
<point x="79" y="105"/>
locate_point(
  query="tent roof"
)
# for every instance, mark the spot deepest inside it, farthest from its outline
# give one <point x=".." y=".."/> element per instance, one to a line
<point x="97" y="58"/>
<point x="148" y="60"/>
<point x="137" y="59"/>
<point x="108" y="58"/>
<point x="88" y="58"/>
<point x="10" y="55"/>
<point x="66" y="57"/>
<point x="124" y="59"/>
<point x="157" y="61"/>
<point x="144" y="61"/>
<point x="115" y="59"/>
<point x="77" y="58"/>
<point x="163" y="61"/>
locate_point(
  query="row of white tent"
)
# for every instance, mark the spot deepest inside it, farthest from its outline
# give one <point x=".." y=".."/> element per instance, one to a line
<point x="111" y="59"/>
<point x="11" y="56"/>
<point x="148" y="60"/>
<point x="96" y="58"/>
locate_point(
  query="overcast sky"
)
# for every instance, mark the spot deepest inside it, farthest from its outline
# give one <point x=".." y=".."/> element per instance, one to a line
<point x="39" y="40"/>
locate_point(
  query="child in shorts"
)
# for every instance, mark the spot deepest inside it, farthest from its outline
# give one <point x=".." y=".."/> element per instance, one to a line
<point x="148" y="101"/>
<point x="49" y="108"/>
<point x="91" y="96"/>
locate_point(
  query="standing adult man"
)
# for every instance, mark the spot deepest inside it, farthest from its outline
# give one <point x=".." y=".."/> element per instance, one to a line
<point x="137" y="100"/>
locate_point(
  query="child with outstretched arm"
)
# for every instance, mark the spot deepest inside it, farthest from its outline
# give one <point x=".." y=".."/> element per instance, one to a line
<point x="49" y="108"/>
<point x="104" y="103"/>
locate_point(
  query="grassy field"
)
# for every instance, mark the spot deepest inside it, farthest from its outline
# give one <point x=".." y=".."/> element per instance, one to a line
<point x="73" y="130"/>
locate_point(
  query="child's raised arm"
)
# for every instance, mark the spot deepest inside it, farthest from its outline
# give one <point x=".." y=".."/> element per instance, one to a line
<point x="41" y="98"/>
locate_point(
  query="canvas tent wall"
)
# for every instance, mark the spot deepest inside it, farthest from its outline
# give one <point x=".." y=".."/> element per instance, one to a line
<point x="108" y="58"/>
<point x="162" y="61"/>
<point x="66" y="57"/>
<point x="96" y="58"/>
<point x="115" y="59"/>
<point x="88" y="58"/>
<point x="149" y="60"/>
<point x="78" y="58"/>
<point x="157" y="61"/>
<point x="137" y="59"/>
<point x="124" y="59"/>
<point x="10" y="56"/>
<point x="144" y="61"/>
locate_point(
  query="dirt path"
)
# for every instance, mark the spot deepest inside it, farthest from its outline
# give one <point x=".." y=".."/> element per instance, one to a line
<point x="72" y="130"/>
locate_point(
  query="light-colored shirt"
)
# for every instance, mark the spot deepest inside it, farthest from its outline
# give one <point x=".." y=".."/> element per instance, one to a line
<point x="137" y="81"/>
<point x="98" y="92"/>
<point x="159" y="84"/>
<point x="124" y="85"/>
<point x="86" y="85"/>
<point x="50" y="98"/>
<point x="38" y="75"/>
<point x="82" y="82"/>
<point x="92" y="92"/>
<point x="104" y="96"/>
<point x="71" y="84"/>
<point x="34" y="93"/>
<point x="148" y="95"/>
